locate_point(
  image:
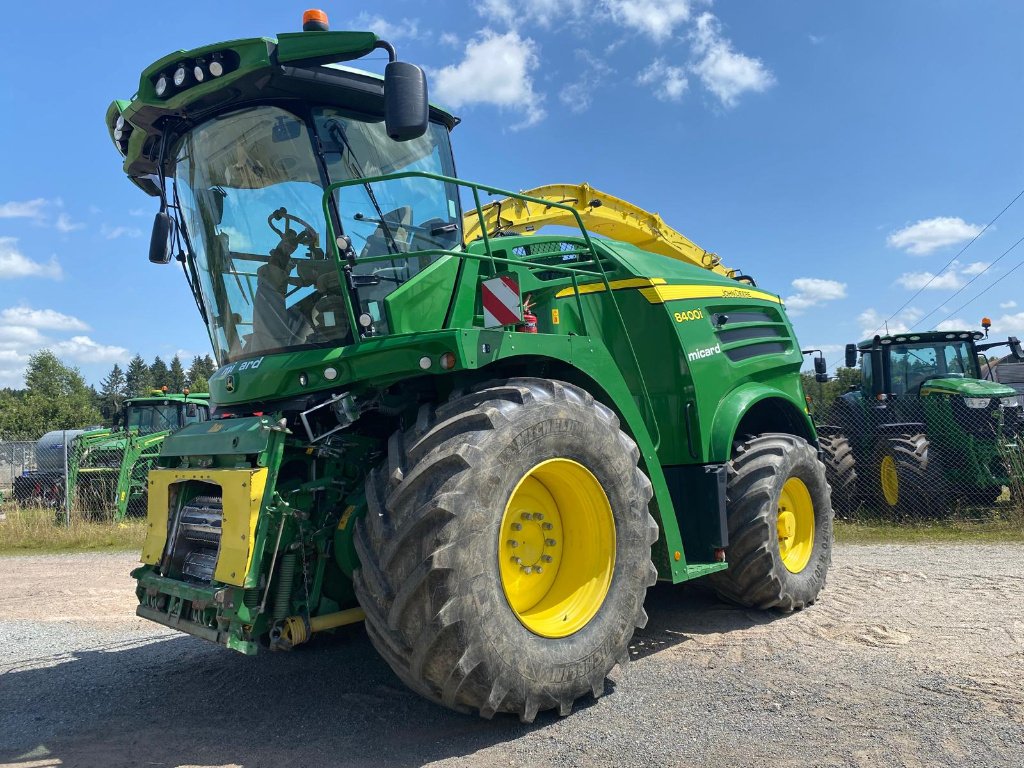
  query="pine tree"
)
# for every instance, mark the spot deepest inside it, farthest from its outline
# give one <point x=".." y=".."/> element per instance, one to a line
<point x="113" y="390"/>
<point x="176" y="375"/>
<point x="138" y="380"/>
<point x="199" y="373"/>
<point x="158" y="374"/>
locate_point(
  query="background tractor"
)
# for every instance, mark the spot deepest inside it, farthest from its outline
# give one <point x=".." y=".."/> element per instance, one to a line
<point x="485" y="441"/>
<point x="923" y="429"/>
<point x="108" y="468"/>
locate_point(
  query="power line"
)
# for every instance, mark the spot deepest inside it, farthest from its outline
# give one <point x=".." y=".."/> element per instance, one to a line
<point x="948" y="263"/>
<point x="990" y="287"/>
<point x="968" y="283"/>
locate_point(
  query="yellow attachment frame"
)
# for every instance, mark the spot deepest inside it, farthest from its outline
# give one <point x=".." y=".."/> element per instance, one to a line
<point x="602" y="214"/>
<point x="242" y="491"/>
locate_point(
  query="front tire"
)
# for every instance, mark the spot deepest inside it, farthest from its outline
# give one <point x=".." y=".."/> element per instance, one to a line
<point x="908" y="478"/>
<point x="780" y="525"/>
<point x="447" y="605"/>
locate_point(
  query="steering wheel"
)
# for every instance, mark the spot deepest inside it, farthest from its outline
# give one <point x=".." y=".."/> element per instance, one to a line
<point x="308" y="235"/>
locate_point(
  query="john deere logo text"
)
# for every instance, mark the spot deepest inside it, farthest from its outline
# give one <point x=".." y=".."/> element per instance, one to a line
<point x="697" y="354"/>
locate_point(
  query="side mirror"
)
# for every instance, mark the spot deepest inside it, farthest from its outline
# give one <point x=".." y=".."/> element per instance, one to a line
<point x="820" y="370"/>
<point x="160" y="240"/>
<point x="406" y="109"/>
<point x="1016" y="350"/>
<point x="851" y="355"/>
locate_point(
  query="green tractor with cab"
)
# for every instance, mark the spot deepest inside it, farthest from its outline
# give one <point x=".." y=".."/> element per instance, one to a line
<point x="108" y="468"/>
<point x="924" y="431"/>
<point x="483" y="441"/>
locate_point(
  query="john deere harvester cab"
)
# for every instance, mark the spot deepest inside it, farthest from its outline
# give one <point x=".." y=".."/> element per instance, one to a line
<point x="108" y="468"/>
<point x="924" y="428"/>
<point x="485" y="441"/>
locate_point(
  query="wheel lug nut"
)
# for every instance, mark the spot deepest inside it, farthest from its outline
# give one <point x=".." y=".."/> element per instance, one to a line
<point x="538" y="569"/>
<point x="526" y="569"/>
<point x="513" y="543"/>
<point x="516" y="560"/>
<point x="549" y="542"/>
<point x="526" y="516"/>
<point x="546" y="558"/>
<point x="547" y="526"/>
<point x="517" y="526"/>
<point x="538" y="516"/>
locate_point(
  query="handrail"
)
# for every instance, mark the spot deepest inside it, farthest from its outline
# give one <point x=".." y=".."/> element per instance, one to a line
<point x="476" y="188"/>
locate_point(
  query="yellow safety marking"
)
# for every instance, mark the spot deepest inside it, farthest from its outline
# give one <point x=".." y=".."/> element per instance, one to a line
<point x="661" y="294"/>
<point x="242" y="496"/>
<point x="633" y="282"/>
<point x="215" y="427"/>
<point x="554" y="317"/>
<point x="344" y="518"/>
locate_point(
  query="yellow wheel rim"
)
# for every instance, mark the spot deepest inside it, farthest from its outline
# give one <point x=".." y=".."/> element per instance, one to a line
<point x="556" y="548"/>
<point x="890" y="481"/>
<point x="795" y="525"/>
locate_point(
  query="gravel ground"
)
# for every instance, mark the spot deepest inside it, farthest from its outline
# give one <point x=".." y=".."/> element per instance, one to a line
<point x="913" y="657"/>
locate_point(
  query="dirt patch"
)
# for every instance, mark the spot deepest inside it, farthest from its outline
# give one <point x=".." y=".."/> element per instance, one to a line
<point x="913" y="656"/>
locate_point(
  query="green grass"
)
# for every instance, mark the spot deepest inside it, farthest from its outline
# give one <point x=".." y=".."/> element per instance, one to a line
<point x="940" y="531"/>
<point x="32" y="531"/>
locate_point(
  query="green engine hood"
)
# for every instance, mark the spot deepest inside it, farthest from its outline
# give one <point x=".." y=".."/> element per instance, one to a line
<point x="966" y="388"/>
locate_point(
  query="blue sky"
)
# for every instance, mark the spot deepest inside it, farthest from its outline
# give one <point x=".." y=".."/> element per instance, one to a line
<point x="840" y="153"/>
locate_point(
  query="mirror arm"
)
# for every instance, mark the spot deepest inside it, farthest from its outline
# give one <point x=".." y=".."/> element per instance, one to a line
<point x="386" y="46"/>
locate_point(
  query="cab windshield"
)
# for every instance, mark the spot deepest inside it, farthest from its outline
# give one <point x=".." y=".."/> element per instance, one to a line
<point x="146" y="419"/>
<point x="910" y="365"/>
<point x="249" y="188"/>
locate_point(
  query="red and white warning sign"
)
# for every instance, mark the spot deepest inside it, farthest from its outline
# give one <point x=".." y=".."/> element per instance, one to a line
<point x="501" y="301"/>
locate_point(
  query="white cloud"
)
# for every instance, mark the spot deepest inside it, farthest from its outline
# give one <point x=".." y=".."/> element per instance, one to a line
<point x="41" y="318"/>
<point x="113" y="233"/>
<point x="670" y="83"/>
<point x="404" y="29"/>
<point x="956" y="324"/>
<point x="974" y="268"/>
<point x="871" y="319"/>
<point x="449" y="39"/>
<point x="927" y="235"/>
<point x="1008" y="304"/>
<point x="816" y="39"/>
<point x="723" y="71"/>
<point x="17" y="337"/>
<point x="1009" y="324"/>
<point x="579" y="95"/>
<point x="28" y="209"/>
<point x="913" y="281"/>
<point x="812" y="292"/>
<point x="496" y="69"/>
<point x="543" y="13"/>
<point x="657" y="19"/>
<point x="84" y="349"/>
<point x="13" y="263"/>
<point x="65" y="224"/>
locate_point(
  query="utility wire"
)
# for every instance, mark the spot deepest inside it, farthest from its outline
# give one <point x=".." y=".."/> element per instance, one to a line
<point x="948" y="263"/>
<point x="990" y="287"/>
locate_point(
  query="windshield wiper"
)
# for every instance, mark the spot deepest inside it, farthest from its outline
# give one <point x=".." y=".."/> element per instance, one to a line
<point x="337" y="132"/>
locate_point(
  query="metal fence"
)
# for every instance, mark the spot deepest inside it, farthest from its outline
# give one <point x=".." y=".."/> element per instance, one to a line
<point x="78" y="480"/>
<point x="919" y="459"/>
<point x="924" y="458"/>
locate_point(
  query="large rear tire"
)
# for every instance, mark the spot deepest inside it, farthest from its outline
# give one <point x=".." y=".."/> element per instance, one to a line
<point x="841" y="472"/>
<point x="468" y="618"/>
<point x="780" y="525"/>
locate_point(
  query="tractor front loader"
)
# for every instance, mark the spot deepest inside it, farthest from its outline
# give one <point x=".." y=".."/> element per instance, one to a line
<point x="108" y="468"/>
<point x="484" y="441"/>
